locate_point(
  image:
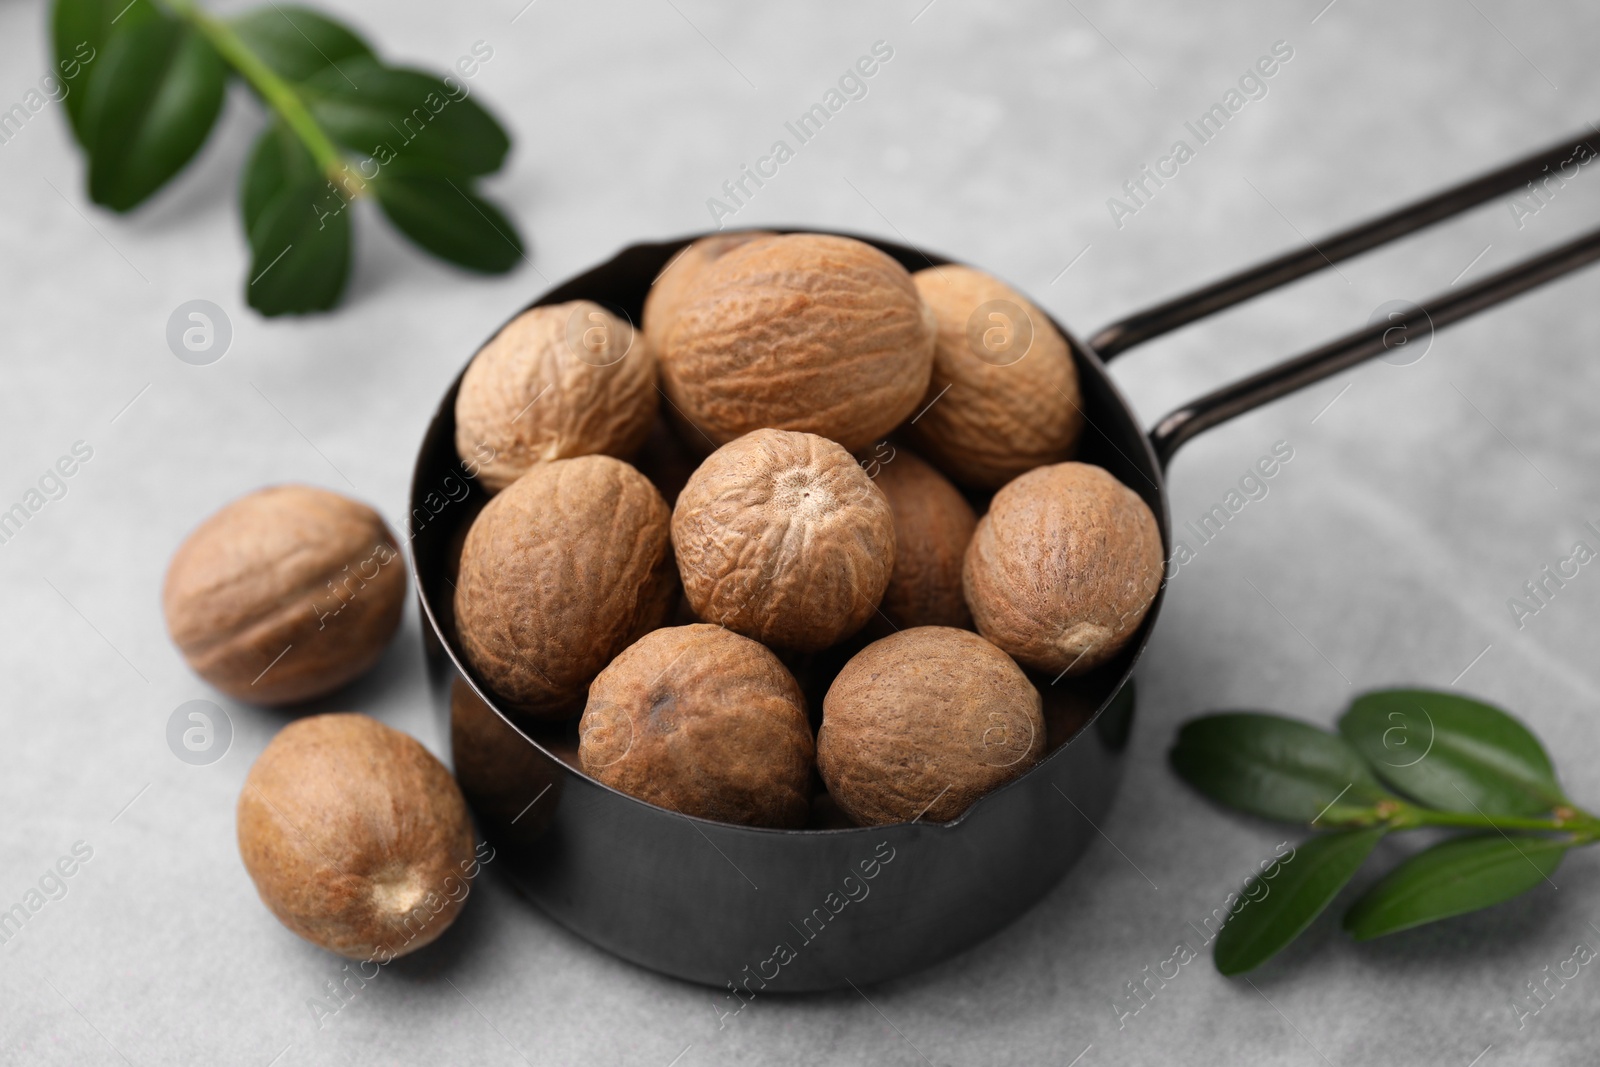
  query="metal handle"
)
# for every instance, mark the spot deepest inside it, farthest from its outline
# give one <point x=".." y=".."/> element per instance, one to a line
<point x="1344" y="352"/>
<point x="1352" y="348"/>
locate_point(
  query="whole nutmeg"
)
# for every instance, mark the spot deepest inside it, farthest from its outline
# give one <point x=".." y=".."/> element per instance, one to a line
<point x="1063" y="567"/>
<point x="933" y="525"/>
<point x="802" y="332"/>
<point x="558" y="381"/>
<point x="781" y="536"/>
<point x="356" y="837"/>
<point x="562" y="570"/>
<point x="923" y="723"/>
<point x="705" y="722"/>
<point x="681" y="273"/>
<point x="1004" y="395"/>
<point x="285" y="594"/>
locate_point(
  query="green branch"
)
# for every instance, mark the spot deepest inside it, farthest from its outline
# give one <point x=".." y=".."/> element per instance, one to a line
<point x="1581" y="824"/>
<point x="276" y="93"/>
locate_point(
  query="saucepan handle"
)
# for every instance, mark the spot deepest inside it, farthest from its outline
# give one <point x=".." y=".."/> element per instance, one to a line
<point x="1555" y="164"/>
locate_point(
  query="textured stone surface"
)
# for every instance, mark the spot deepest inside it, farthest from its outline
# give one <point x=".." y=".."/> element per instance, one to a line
<point x="1415" y="505"/>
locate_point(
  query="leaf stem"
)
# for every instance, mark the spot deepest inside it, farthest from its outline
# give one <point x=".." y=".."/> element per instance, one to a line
<point x="274" y="91"/>
<point x="1584" y="825"/>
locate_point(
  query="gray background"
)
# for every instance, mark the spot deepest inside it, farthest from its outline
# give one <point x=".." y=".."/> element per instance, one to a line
<point x="1385" y="553"/>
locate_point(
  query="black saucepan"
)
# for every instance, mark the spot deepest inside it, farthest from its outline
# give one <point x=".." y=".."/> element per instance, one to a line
<point x="756" y="911"/>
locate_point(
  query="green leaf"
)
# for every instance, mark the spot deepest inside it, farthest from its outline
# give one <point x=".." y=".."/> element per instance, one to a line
<point x="279" y="160"/>
<point x="1306" y="883"/>
<point x="448" y="220"/>
<point x="1453" y="753"/>
<point x="81" y="30"/>
<point x="301" y="246"/>
<point x="408" y="116"/>
<point x="298" y="42"/>
<point x="150" y="107"/>
<point x="1459" y="875"/>
<point x="1275" y="767"/>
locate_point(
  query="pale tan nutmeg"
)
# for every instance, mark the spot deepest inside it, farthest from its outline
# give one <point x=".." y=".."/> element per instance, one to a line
<point x="357" y="839"/>
<point x="562" y="570"/>
<point x="1004" y="395"/>
<point x="680" y="275"/>
<point x="933" y="525"/>
<point x="704" y="722"/>
<point x="801" y="332"/>
<point x="558" y="381"/>
<point x="1063" y="567"/>
<point x="781" y="536"/>
<point x="923" y="723"/>
<point x="285" y="594"/>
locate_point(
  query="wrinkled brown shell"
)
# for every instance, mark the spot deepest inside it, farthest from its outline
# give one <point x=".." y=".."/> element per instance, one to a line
<point x="801" y="332"/>
<point x="558" y="381"/>
<point x="1063" y="567"/>
<point x="356" y="837"/>
<point x="562" y="570"/>
<point x="925" y="722"/>
<point x="285" y="594"/>
<point x="702" y="721"/>
<point x="933" y="524"/>
<point x="781" y="536"/>
<point x="1001" y="409"/>
<point x="679" y="276"/>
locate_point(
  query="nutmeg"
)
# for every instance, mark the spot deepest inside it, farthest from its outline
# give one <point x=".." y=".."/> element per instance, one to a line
<point x="558" y="381"/>
<point x="1003" y="397"/>
<point x="285" y="594"/>
<point x="705" y="722"/>
<point x="807" y="332"/>
<point x="1063" y="567"/>
<point x="562" y="570"/>
<point x="923" y="723"/>
<point x="680" y="276"/>
<point x="933" y="524"/>
<point x="357" y="839"/>
<point x="781" y="536"/>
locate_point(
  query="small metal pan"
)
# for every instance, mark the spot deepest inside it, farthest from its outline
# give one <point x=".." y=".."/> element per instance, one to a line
<point x="753" y="910"/>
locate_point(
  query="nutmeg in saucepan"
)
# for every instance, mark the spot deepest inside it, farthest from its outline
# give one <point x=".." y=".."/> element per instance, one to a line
<point x="1003" y="397"/>
<point x="562" y="570"/>
<point x="801" y="332"/>
<point x="923" y="723"/>
<point x="933" y="525"/>
<point x="705" y="722"/>
<point x="1063" y="567"/>
<point x="783" y="537"/>
<point x="557" y="381"/>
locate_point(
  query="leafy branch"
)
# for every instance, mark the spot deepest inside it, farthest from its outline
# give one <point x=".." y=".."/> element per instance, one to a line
<point x="343" y="126"/>
<point x="1403" y="759"/>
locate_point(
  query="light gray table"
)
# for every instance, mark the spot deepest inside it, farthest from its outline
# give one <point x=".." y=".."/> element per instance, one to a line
<point x="1419" y="500"/>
